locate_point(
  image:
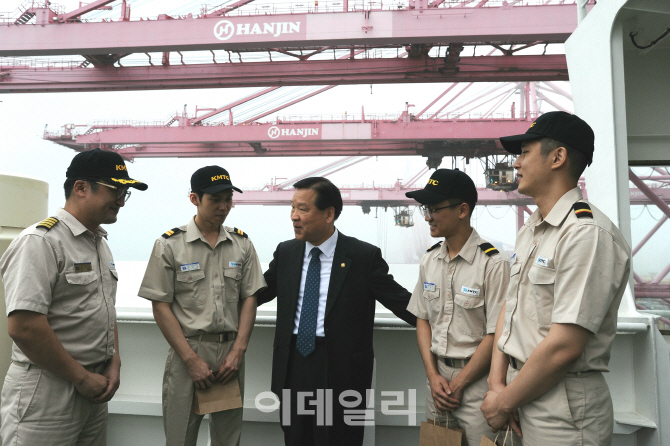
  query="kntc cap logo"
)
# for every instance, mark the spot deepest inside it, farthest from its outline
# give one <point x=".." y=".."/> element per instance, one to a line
<point x="220" y="177"/>
<point x="433" y="182"/>
<point x="225" y="29"/>
<point x="121" y="167"/>
<point x="273" y="132"/>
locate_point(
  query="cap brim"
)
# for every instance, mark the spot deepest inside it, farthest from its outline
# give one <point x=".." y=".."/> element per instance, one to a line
<point x="424" y="196"/>
<point x="513" y="143"/>
<point x="129" y="182"/>
<point x="220" y="187"/>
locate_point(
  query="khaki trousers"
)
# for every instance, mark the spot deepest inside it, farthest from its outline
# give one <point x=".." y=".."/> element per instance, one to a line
<point x="38" y="408"/>
<point x="180" y="423"/>
<point x="468" y="416"/>
<point x="576" y="411"/>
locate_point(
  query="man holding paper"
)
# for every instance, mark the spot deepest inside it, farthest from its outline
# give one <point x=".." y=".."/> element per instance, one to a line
<point x="568" y="276"/>
<point x="202" y="279"/>
<point x="457" y="299"/>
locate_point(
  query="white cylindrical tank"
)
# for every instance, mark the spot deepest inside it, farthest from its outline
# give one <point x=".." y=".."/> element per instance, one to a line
<point x="23" y="202"/>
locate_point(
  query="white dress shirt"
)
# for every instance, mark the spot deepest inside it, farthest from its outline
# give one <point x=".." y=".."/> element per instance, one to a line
<point x="327" y="252"/>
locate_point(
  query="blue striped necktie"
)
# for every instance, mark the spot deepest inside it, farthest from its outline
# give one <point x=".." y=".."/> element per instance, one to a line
<point x="306" y="342"/>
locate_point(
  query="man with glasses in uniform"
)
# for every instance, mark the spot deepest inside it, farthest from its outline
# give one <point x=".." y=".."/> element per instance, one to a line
<point x="60" y="290"/>
<point x="570" y="270"/>
<point x="202" y="279"/>
<point x="457" y="299"/>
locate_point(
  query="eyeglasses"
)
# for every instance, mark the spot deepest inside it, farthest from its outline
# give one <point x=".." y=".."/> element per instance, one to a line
<point x="120" y="193"/>
<point x="429" y="211"/>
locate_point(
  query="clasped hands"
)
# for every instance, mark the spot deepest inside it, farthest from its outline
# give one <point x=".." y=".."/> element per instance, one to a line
<point x="203" y="377"/>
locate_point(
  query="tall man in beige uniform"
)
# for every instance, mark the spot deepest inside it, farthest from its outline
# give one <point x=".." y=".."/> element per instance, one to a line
<point x="60" y="289"/>
<point x="457" y="299"/>
<point x="202" y="279"/>
<point x="569" y="272"/>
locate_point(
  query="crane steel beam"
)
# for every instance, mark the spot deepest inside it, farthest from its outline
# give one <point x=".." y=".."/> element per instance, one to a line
<point x="498" y="25"/>
<point x="299" y="132"/>
<point x="74" y="15"/>
<point x="395" y="196"/>
<point x="472" y="149"/>
<point x="261" y="74"/>
<point x="376" y="197"/>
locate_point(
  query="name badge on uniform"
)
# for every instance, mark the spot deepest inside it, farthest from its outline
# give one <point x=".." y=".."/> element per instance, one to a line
<point x="542" y="261"/>
<point x="83" y="267"/>
<point x="512" y="259"/>
<point x="191" y="266"/>
<point x="428" y="286"/>
<point x="234" y="265"/>
<point x="470" y="291"/>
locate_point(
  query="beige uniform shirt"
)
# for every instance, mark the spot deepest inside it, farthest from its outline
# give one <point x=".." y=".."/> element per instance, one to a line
<point x="68" y="274"/>
<point x="566" y="270"/>
<point x="461" y="298"/>
<point x="205" y="286"/>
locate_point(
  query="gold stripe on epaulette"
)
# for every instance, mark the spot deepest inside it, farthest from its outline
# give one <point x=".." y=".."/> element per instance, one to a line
<point x="48" y="223"/>
<point x="171" y="232"/>
<point x="436" y="245"/>
<point x="240" y="232"/>
<point x="489" y="249"/>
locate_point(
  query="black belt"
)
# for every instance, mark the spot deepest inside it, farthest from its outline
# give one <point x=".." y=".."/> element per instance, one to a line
<point x="515" y="363"/>
<point x="320" y="340"/>
<point x="456" y="363"/>
<point x="214" y="337"/>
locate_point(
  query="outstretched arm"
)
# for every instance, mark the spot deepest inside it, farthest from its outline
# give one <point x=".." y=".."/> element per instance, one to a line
<point x="386" y="290"/>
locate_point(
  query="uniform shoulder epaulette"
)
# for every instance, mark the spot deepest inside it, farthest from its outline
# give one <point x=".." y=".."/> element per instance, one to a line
<point x="48" y="223"/>
<point x="582" y="210"/>
<point x="489" y="249"/>
<point x="240" y="232"/>
<point x="436" y="245"/>
<point x="172" y="232"/>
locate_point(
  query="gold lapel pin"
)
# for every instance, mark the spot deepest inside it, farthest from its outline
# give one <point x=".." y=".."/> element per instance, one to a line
<point x="342" y="265"/>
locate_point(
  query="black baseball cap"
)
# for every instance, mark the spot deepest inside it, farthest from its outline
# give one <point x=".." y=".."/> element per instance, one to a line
<point x="445" y="184"/>
<point x="104" y="165"/>
<point x="211" y="180"/>
<point x="561" y="126"/>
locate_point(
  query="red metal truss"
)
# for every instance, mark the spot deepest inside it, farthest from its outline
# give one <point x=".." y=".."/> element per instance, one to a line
<point x="498" y="25"/>
<point x="458" y="137"/>
<point x="27" y="79"/>
<point x="652" y="288"/>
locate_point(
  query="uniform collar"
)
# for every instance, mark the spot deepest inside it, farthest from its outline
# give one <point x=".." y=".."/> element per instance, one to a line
<point x="468" y="250"/>
<point x="327" y="247"/>
<point x="75" y="225"/>
<point x="193" y="233"/>
<point x="563" y="206"/>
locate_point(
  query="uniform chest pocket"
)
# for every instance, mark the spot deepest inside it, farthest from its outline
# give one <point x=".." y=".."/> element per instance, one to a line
<point x="433" y="305"/>
<point x="469" y="314"/>
<point x="188" y="289"/>
<point x="431" y="295"/>
<point x="232" y="279"/>
<point x="542" y="280"/>
<point x="81" y="292"/>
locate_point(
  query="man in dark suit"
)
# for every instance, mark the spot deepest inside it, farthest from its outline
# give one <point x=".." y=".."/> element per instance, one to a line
<point x="326" y="286"/>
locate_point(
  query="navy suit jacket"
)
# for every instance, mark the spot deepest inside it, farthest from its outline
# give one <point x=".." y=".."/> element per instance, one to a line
<point x="359" y="278"/>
